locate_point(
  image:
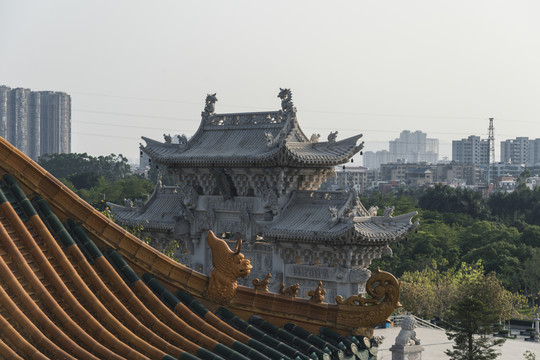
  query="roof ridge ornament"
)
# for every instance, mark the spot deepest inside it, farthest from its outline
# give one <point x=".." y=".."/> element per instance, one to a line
<point x="372" y="211"/>
<point x="332" y="137"/>
<point x="262" y="285"/>
<point x="182" y="139"/>
<point x="291" y="291"/>
<point x="271" y="140"/>
<point x="209" y="107"/>
<point x="340" y="215"/>
<point x="228" y="266"/>
<point x="383" y="290"/>
<point x="317" y="295"/>
<point x="388" y="212"/>
<point x="286" y="101"/>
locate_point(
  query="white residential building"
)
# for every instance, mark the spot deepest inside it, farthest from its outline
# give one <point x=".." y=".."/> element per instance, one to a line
<point x="472" y="150"/>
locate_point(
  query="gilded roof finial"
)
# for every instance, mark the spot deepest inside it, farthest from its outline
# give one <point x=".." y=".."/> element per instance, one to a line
<point x="317" y="295"/>
<point x="291" y="291"/>
<point x="262" y="284"/>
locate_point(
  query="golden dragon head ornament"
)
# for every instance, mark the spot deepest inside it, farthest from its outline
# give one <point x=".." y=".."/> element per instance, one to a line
<point x="228" y="267"/>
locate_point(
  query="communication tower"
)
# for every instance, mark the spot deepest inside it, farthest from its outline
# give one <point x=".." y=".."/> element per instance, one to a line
<point x="491" y="154"/>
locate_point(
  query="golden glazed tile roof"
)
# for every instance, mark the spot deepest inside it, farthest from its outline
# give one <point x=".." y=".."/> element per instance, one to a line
<point x="74" y="285"/>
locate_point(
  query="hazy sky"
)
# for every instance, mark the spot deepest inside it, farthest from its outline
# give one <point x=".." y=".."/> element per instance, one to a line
<point x="138" y="68"/>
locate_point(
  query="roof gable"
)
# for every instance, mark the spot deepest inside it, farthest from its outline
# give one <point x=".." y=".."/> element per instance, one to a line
<point x="252" y="139"/>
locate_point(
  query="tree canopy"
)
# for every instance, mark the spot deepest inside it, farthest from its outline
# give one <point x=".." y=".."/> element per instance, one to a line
<point x="479" y="302"/>
<point x="83" y="170"/>
<point x="428" y="292"/>
<point x="459" y="225"/>
<point x="98" y="178"/>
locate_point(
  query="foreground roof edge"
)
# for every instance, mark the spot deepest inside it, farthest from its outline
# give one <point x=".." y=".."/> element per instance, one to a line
<point x="348" y="316"/>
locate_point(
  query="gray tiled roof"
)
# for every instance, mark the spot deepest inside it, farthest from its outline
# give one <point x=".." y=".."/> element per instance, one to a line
<point x="324" y="152"/>
<point x="241" y="140"/>
<point x="158" y="213"/>
<point x="308" y="218"/>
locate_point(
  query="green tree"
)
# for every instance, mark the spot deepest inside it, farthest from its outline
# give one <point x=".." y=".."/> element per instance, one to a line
<point x="530" y="235"/>
<point x="520" y="205"/>
<point x="497" y="245"/>
<point x="84" y="170"/>
<point x="530" y="277"/>
<point x="443" y="198"/>
<point x="98" y="178"/>
<point x="433" y="242"/>
<point x="480" y="301"/>
<point x="131" y="187"/>
<point x="428" y="292"/>
<point x="522" y="179"/>
<point x="425" y="292"/>
<point x="469" y="325"/>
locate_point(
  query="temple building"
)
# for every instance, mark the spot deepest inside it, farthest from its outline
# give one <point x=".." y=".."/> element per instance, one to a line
<point x="75" y="285"/>
<point x="256" y="175"/>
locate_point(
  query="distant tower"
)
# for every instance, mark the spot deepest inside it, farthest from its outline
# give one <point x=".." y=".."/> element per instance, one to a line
<point x="491" y="154"/>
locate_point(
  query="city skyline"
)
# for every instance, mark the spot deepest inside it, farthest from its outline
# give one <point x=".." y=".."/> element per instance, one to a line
<point x="136" y="69"/>
<point x="404" y="141"/>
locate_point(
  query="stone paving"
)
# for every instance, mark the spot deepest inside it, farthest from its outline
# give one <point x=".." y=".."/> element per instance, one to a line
<point x="435" y="342"/>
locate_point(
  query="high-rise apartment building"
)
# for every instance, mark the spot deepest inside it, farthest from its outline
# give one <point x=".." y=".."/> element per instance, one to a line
<point x="520" y="150"/>
<point x="414" y="147"/>
<point x="472" y="150"/>
<point x="36" y="122"/>
<point x="534" y="151"/>
<point x="410" y="147"/>
<point x="373" y="160"/>
<point x="55" y="122"/>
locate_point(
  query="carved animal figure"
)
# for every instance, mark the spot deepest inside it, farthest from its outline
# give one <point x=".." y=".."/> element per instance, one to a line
<point x="182" y="139"/>
<point x="270" y="139"/>
<point x="210" y="103"/>
<point x="388" y="211"/>
<point x="291" y="291"/>
<point x="315" y="138"/>
<point x="407" y="335"/>
<point x="373" y="211"/>
<point x="317" y="295"/>
<point x="286" y="99"/>
<point x="269" y="198"/>
<point x="332" y="136"/>
<point x="228" y="267"/>
<point x="190" y="197"/>
<point x="334" y="213"/>
<point x="262" y="284"/>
